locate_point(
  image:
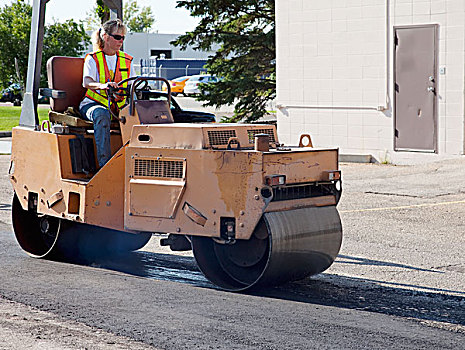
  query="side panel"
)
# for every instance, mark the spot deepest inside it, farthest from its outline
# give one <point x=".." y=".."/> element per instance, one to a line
<point x="39" y="159"/>
<point x="301" y="166"/>
<point x="145" y="196"/>
<point x="218" y="184"/>
<point x="36" y="168"/>
<point x="104" y="200"/>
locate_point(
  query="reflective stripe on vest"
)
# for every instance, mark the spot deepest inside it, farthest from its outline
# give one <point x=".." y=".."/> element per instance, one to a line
<point x="122" y="72"/>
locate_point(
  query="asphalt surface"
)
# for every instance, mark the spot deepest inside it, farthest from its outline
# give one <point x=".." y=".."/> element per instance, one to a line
<point x="399" y="282"/>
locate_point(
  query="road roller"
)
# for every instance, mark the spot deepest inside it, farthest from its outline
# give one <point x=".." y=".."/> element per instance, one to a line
<point x="255" y="212"/>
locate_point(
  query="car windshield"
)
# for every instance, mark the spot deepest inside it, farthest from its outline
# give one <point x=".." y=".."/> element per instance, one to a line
<point x="194" y="79"/>
<point x="202" y="78"/>
<point x="180" y="79"/>
<point x="173" y="105"/>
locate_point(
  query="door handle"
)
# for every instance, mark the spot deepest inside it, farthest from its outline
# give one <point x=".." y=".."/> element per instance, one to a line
<point x="431" y="89"/>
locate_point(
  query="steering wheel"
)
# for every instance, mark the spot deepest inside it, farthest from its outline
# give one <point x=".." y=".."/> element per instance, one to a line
<point x="120" y="91"/>
<point x="132" y="91"/>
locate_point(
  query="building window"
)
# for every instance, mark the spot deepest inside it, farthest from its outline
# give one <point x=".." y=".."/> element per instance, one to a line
<point x="159" y="53"/>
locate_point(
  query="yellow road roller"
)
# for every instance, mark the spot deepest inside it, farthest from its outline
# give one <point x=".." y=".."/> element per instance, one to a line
<point x="254" y="211"/>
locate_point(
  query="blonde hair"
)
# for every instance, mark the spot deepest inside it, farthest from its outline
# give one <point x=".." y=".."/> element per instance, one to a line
<point x="108" y="27"/>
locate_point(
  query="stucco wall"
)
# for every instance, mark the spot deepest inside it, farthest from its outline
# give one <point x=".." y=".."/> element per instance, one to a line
<point x="335" y="72"/>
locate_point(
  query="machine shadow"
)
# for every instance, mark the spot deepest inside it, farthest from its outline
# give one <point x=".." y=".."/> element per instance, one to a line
<point x="325" y="289"/>
<point x="141" y="263"/>
<point x="369" y="295"/>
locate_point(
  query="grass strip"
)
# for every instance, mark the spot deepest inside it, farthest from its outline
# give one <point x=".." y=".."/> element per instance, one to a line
<point x="9" y="116"/>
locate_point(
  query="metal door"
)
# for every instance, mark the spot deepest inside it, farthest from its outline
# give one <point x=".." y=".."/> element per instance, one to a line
<point x="415" y="120"/>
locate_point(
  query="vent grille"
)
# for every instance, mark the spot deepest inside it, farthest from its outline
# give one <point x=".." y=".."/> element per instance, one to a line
<point x="159" y="168"/>
<point x="285" y="193"/>
<point x="254" y="132"/>
<point x="220" y="137"/>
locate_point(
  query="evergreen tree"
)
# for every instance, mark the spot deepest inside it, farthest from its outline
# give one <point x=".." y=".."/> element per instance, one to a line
<point x="243" y="34"/>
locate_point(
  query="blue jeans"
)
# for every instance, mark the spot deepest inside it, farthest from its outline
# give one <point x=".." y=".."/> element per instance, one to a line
<point x="101" y="118"/>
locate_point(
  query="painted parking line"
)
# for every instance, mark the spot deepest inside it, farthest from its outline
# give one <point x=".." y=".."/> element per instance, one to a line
<point x="403" y="207"/>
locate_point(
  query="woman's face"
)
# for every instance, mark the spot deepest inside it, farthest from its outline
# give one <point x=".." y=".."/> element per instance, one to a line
<point x="112" y="43"/>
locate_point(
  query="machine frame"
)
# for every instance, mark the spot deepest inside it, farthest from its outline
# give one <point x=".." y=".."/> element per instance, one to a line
<point x="255" y="212"/>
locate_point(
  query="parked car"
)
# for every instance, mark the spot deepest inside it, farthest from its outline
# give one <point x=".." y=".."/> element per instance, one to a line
<point x="179" y="115"/>
<point x="12" y="94"/>
<point x="177" y="85"/>
<point x="192" y="84"/>
<point x="41" y="99"/>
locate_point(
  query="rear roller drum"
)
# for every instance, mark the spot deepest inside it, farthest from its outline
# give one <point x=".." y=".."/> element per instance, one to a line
<point x="43" y="236"/>
<point x="37" y="235"/>
<point x="285" y="246"/>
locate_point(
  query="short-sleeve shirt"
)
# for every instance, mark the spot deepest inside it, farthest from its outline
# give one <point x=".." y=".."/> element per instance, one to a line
<point x="90" y="70"/>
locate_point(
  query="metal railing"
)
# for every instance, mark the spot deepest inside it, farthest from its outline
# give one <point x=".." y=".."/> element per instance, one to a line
<point x="151" y="68"/>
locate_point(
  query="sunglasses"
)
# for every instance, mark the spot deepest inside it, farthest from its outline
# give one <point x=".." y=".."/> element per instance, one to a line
<point x="117" y="36"/>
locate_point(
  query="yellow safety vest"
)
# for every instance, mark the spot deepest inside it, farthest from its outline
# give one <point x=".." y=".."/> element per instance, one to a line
<point x="122" y="72"/>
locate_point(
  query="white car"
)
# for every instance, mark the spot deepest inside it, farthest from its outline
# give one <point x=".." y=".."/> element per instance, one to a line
<point x="192" y="84"/>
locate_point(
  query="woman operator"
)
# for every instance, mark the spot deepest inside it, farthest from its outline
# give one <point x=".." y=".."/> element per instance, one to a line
<point x="104" y="67"/>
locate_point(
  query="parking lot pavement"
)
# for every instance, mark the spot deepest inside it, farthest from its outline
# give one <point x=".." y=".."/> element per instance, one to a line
<point x="403" y="226"/>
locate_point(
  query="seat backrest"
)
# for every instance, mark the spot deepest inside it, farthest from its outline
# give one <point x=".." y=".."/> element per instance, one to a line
<point x="65" y="73"/>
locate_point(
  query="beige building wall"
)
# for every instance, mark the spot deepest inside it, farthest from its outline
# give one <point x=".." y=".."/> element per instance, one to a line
<point x="335" y="73"/>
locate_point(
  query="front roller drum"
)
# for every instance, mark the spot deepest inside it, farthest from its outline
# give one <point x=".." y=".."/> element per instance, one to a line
<point x="285" y="246"/>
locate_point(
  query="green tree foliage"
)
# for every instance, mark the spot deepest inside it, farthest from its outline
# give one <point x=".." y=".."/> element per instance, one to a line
<point x="63" y="39"/>
<point x="60" y="39"/>
<point x="102" y="11"/>
<point x="244" y="30"/>
<point x="137" y="19"/>
<point x="15" y="24"/>
<point x="99" y="14"/>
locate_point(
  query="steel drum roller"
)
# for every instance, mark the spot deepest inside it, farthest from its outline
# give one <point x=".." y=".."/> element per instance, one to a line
<point x="285" y="246"/>
<point x="43" y="236"/>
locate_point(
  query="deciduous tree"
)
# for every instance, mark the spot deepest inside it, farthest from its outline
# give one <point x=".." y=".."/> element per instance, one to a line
<point x="15" y="24"/>
<point x="243" y="31"/>
<point x="64" y="39"/>
<point x="137" y="19"/>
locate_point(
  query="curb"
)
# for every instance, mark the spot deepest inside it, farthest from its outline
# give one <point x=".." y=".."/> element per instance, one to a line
<point x="356" y="158"/>
<point x="5" y="133"/>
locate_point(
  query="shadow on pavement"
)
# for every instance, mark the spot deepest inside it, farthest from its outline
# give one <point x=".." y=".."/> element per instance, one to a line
<point x="369" y="295"/>
<point x="337" y="291"/>
<point x="345" y="259"/>
<point x="158" y="266"/>
<point x="5" y="207"/>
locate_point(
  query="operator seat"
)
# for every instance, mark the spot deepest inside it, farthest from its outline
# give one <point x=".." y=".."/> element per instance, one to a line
<point x="66" y="92"/>
<point x="65" y="73"/>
